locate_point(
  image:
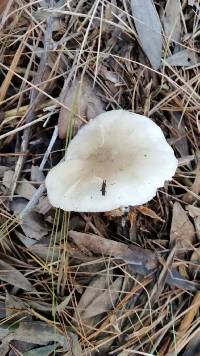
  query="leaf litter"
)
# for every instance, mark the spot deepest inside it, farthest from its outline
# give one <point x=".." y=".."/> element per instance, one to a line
<point x="122" y="281"/>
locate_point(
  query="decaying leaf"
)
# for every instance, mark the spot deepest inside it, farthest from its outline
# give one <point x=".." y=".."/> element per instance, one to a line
<point x="99" y="297"/>
<point x="3" y="169"/>
<point x="179" y="134"/>
<point x="11" y="275"/>
<point x="40" y="305"/>
<point x="109" y="75"/>
<point x="43" y="206"/>
<point x="148" y="27"/>
<point x="141" y="260"/>
<point x="4" y="349"/>
<point x="2" y="310"/>
<point x="42" y="14"/>
<point x="27" y="241"/>
<point x="194" y="212"/>
<point x="36" y="332"/>
<point x="172" y="20"/>
<point x="14" y="305"/>
<point x="190" y="315"/>
<point x="24" y="189"/>
<point x="184" y="58"/>
<point x="195" y="188"/>
<point x="47" y="253"/>
<point x="82" y="99"/>
<point x="95" y="287"/>
<point x="182" y="230"/>
<point x="195" y="265"/>
<point x="76" y="348"/>
<point x="105" y="300"/>
<point x="42" y="351"/>
<point x="32" y="223"/>
<point x="60" y="307"/>
<point x="193" y="345"/>
<point x="174" y="279"/>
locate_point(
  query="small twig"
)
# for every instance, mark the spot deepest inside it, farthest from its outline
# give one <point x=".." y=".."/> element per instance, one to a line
<point x="49" y="148"/>
<point x="34" y="100"/>
<point x="36" y="196"/>
<point x="40" y="191"/>
<point x="158" y="287"/>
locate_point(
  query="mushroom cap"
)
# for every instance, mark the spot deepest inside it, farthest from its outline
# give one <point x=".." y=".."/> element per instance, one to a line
<point x="117" y="159"/>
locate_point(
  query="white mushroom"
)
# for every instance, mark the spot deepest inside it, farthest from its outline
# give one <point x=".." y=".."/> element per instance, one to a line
<point x="117" y="159"/>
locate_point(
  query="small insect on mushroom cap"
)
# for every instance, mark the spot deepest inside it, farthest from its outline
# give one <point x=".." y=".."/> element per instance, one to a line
<point x="103" y="187"/>
<point x="117" y="159"/>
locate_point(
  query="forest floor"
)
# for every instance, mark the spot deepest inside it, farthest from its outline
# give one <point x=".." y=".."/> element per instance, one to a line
<point x="63" y="288"/>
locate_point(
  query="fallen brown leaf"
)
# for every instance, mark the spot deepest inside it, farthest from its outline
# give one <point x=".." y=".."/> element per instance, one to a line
<point x="143" y="260"/>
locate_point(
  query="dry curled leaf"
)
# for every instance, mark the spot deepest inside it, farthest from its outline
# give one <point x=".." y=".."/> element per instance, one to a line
<point x="82" y="99"/>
